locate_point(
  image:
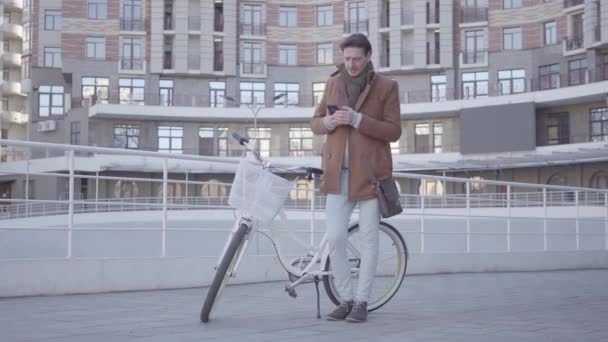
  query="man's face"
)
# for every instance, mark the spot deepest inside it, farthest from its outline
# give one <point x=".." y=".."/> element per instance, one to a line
<point x="355" y="60"/>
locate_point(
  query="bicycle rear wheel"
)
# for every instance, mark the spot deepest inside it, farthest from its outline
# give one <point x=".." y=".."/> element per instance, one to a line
<point x="390" y="272"/>
<point x="223" y="271"/>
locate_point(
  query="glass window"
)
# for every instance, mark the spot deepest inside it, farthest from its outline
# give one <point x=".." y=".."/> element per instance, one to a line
<point x="511" y="4"/>
<point x="421" y="138"/>
<point x="438" y="88"/>
<point x="75" y="133"/>
<point x="287" y="54"/>
<point x="95" y="47"/>
<point x="512" y="81"/>
<point x="27" y="36"/>
<point x="52" y="57"/>
<point x="474" y="84"/>
<point x="300" y="141"/>
<point x="252" y="58"/>
<point x="291" y="91"/>
<point x="395" y="147"/>
<point x="576" y="71"/>
<point x="599" y="124"/>
<point x="132" y="54"/>
<point x="97" y="9"/>
<point x="261" y="138"/>
<point x="437" y="137"/>
<point x="357" y="17"/>
<point x="288" y="16"/>
<point x="252" y="93"/>
<point x="557" y="129"/>
<point x="50" y="100"/>
<point x="95" y="88"/>
<point x="131" y="90"/>
<point x="325" y="53"/>
<point x="550" y="33"/>
<point x="126" y="136"/>
<point x="317" y="92"/>
<point x="52" y="20"/>
<point x="325" y="15"/>
<point x="549" y="77"/>
<point x="213" y="141"/>
<point x="170" y="139"/>
<point x="511" y="38"/>
<point x="166" y="92"/>
<point x="217" y="91"/>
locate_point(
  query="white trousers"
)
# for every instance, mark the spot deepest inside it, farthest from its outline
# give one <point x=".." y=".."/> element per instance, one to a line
<point x="338" y="212"/>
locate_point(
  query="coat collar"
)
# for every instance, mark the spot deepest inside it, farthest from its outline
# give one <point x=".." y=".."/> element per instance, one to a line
<point x="371" y="74"/>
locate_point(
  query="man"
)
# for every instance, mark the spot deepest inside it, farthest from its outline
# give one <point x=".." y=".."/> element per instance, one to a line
<point x="355" y="155"/>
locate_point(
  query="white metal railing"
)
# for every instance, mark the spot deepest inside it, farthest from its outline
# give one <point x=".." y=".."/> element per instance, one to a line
<point x="579" y="207"/>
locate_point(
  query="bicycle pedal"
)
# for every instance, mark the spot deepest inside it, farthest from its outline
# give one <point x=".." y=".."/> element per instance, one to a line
<point x="291" y="291"/>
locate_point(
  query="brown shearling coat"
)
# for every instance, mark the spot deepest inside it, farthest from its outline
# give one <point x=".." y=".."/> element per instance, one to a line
<point x="368" y="145"/>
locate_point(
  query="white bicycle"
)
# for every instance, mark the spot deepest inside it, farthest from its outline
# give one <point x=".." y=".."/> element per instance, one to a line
<point x="258" y="195"/>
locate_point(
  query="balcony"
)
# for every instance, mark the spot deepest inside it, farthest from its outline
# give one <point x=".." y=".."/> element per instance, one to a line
<point x="218" y="20"/>
<point x="432" y="15"/>
<point x="11" y="31"/>
<point x="194" y="23"/>
<point x="13" y="5"/>
<point x="407" y="17"/>
<point x="218" y="63"/>
<point x="133" y="64"/>
<point x="573" y="43"/>
<point x="358" y="26"/>
<point x="132" y="24"/>
<point x="168" y="62"/>
<point x="474" y="14"/>
<point x="433" y="57"/>
<point x="252" y="29"/>
<point x="11" y="59"/>
<point x="168" y="23"/>
<point x="572" y="3"/>
<point x="474" y="57"/>
<point x="10" y="88"/>
<point x="249" y="68"/>
<point x="194" y="62"/>
<point x="14" y="117"/>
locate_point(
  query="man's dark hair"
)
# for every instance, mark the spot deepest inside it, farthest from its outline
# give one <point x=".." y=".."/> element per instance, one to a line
<point x="358" y="40"/>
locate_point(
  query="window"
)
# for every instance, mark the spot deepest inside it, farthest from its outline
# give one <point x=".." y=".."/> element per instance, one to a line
<point x="97" y="9"/>
<point x="52" y="57"/>
<point x="217" y="91"/>
<point x="95" y="86"/>
<point x="132" y="54"/>
<point x="170" y="139"/>
<point x="213" y="141"/>
<point x="50" y="100"/>
<point x="511" y="38"/>
<point x="430" y="187"/>
<point x="252" y="58"/>
<point x="287" y="54"/>
<point x="474" y="84"/>
<point x="511" y="4"/>
<point x="126" y="136"/>
<point x="27" y="36"/>
<point x="218" y="54"/>
<point x="131" y="90"/>
<point x="317" y="92"/>
<point x="557" y="129"/>
<point x="437" y="137"/>
<point x="288" y="16"/>
<point x="438" y="88"/>
<point x="261" y="139"/>
<point x="6" y="75"/>
<point x="291" y="91"/>
<point x="213" y="189"/>
<point x="303" y="190"/>
<point x="75" y="133"/>
<point x="5" y="103"/>
<point x="357" y="17"/>
<point x="252" y="93"/>
<point x="395" y="147"/>
<point x="325" y="15"/>
<point x="300" y="141"/>
<point x="26" y="67"/>
<point x="52" y="20"/>
<point x="512" y="81"/>
<point x="576" y="71"/>
<point x="95" y="47"/>
<point x="131" y="12"/>
<point x="550" y="33"/>
<point x="166" y="92"/>
<point x="549" y="76"/>
<point x="421" y="138"/>
<point x="599" y="124"/>
<point x="325" y="53"/>
<point x="251" y="20"/>
<point x="474" y="47"/>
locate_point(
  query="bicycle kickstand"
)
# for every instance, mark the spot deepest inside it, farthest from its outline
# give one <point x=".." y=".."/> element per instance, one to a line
<point x="317" y="280"/>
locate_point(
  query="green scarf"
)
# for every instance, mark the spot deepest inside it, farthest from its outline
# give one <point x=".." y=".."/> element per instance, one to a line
<point x="355" y="84"/>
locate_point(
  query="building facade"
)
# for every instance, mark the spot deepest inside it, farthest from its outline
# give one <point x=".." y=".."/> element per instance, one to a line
<point x="476" y="77"/>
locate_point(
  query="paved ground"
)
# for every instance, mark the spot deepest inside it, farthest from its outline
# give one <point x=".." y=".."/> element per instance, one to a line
<point x="543" y="306"/>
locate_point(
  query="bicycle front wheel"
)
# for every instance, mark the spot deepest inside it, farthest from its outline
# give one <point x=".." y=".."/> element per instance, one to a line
<point x="223" y="271"/>
<point x="390" y="272"/>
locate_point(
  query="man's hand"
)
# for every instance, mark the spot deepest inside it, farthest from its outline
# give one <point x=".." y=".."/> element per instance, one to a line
<point x="343" y="116"/>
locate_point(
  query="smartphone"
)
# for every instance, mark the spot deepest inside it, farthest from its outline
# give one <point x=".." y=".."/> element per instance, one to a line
<point x="332" y="109"/>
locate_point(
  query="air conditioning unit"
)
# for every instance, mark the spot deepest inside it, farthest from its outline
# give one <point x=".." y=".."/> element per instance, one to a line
<point x="46" y="126"/>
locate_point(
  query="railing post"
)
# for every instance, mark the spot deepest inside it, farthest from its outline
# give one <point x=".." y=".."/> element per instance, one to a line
<point x="545" y="219"/>
<point x="468" y="201"/>
<point x="70" y="203"/>
<point x="164" y="215"/>
<point x="422" y="216"/>
<point x="27" y="184"/>
<point x="96" y="189"/>
<point x="508" y="218"/>
<point x="312" y="217"/>
<point x="606" y="220"/>
<point x="577" y="220"/>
